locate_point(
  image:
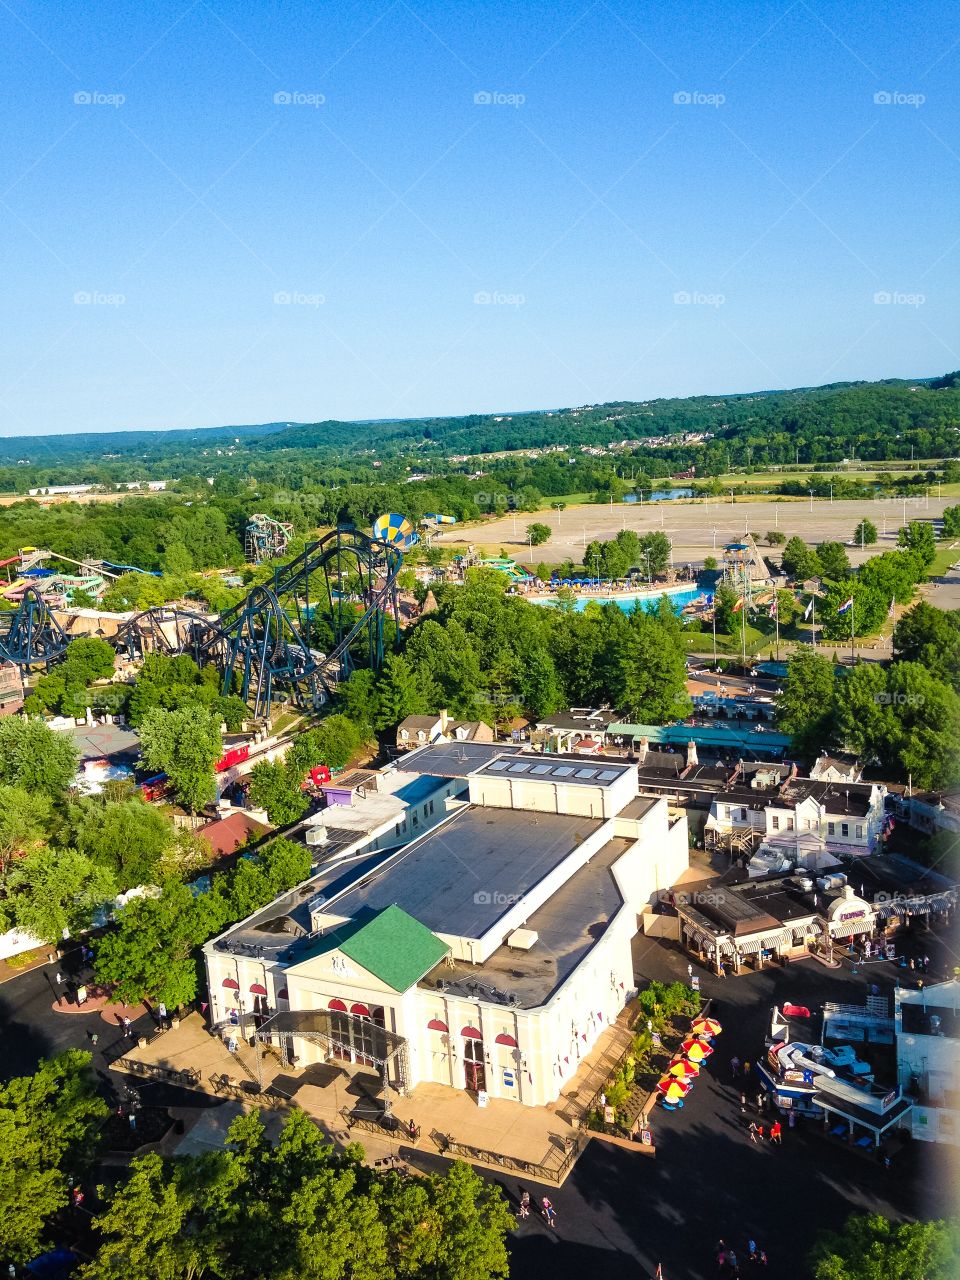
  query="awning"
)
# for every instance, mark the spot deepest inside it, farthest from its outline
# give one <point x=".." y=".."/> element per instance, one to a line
<point x="887" y="910"/>
<point x="850" y="928"/>
<point x="751" y="946"/>
<point x="258" y="989"/>
<point x="877" y="1123"/>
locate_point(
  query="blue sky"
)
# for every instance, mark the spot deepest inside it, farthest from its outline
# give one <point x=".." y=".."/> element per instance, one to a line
<point x="220" y="212"/>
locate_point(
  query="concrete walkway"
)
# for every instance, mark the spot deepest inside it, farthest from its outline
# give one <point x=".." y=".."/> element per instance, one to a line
<point x="328" y="1092"/>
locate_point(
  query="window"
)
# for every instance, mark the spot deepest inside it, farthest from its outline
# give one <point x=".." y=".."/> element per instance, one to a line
<point x="789" y="824"/>
<point x="743" y="815"/>
<point x="859" y="831"/>
<point x="431" y="806"/>
<point x="424" y="810"/>
<point x="831" y="828"/>
<point x="844" y="829"/>
<point x="398" y="828"/>
<point x="775" y="822"/>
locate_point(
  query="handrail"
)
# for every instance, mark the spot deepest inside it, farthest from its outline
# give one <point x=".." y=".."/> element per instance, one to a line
<point x="188" y="1076"/>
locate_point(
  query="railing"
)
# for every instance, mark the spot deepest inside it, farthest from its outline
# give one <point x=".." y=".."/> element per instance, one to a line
<point x="189" y="1077"/>
<point x="546" y="1170"/>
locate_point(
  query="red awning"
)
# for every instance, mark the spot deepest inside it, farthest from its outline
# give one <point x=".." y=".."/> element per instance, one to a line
<point x="472" y="1033"/>
<point x="283" y="994"/>
<point x="507" y="1040"/>
<point x="360" y="1011"/>
<point x="338" y="1005"/>
<point x="258" y="989"/>
<point x="436" y="1025"/>
<point x="231" y="984"/>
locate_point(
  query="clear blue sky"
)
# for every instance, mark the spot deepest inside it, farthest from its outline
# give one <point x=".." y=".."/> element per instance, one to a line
<point x="781" y="198"/>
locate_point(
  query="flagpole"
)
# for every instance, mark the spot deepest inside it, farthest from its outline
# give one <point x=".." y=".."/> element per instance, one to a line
<point x="852" y="654"/>
<point x="813" y="607"/>
<point x="776" y="615"/>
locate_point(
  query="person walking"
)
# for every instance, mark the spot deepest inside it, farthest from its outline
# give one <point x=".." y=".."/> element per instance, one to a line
<point x="549" y="1213"/>
<point x="743" y="1104"/>
<point x="689" y="970"/>
<point x="753" y="1131"/>
<point x="161" y="1013"/>
<point x="524" y="1210"/>
<point x="776" y="1132"/>
<point x="734" y="1067"/>
<point x="125" y="1023"/>
<point x="760" y="1133"/>
<point x="746" y="1070"/>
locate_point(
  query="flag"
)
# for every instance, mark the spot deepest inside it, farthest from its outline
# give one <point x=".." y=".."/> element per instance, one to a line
<point x="738" y="606"/>
<point x="807" y="611"/>
<point x="773" y="607"/>
<point x="891" y="613"/>
<point x="847" y="604"/>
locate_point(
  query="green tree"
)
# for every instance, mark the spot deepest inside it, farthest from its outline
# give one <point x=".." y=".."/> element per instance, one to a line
<point x="36" y="757"/>
<point x="931" y="637"/>
<point x="357" y="698"/>
<point x="775" y="538"/>
<point x="800" y="561"/>
<point x="185" y="744"/>
<point x="272" y="787"/>
<point x="870" y="1247"/>
<point x="24" y="821"/>
<point x="918" y="537"/>
<point x="865" y="534"/>
<point x="399" y="693"/>
<point x="540" y="689"/>
<point x="834" y="561"/>
<point x="57" y="891"/>
<point x="47" y="1122"/>
<point x="805" y="709"/>
<point x="657" y="547"/>
<point x="538" y="534"/>
<point x="129" y="838"/>
<point x="951" y="522"/>
<point x="149" y="953"/>
<point x="653" y="674"/>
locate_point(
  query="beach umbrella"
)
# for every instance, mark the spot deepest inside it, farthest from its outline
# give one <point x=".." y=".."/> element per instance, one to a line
<point x="696" y="1050"/>
<point x="675" y="1091"/>
<point x="683" y="1070"/>
<point x="706" y="1026"/>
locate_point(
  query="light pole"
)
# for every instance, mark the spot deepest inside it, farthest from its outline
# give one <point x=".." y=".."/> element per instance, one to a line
<point x="810" y="491"/>
<point x="649" y="577"/>
<point x="732" y="498"/>
<point x="831" y="493"/>
<point x="714" y="538"/>
<point x="559" y="508"/>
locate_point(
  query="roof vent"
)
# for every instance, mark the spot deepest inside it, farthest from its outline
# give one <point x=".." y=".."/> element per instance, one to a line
<point x="523" y="939"/>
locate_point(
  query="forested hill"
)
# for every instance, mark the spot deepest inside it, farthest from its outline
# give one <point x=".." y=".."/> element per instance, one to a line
<point x="867" y="420"/>
<point x="862" y="417"/>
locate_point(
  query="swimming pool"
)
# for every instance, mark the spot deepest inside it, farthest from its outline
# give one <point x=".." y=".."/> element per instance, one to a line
<point x="648" y="601"/>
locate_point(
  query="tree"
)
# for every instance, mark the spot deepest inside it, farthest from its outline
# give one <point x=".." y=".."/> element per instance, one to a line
<point x="917" y="536"/>
<point x="149" y="953"/>
<point x="357" y="698"/>
<point x="834" y="561"/>
<point x="46" y="1123"/>
<point x="657" y="546"/>
<point x="870" y="1247"/>
<point x="57" y="892"/>
<point x="472" y="1222"/>
<point x="272" y="787"/>
<point x="89" y="658"/>
<point x="951" y="522"/>
<point x="865" y="534"/>
<point x="129" y="838"/>
<point x="36" y="757"/>
<point x="538" y="534"/>
<point x="931" y="637"/>
<point x="184" y="744"/>
<point x="725" y="602"/>
<point x="652" y="673"/>
<point x="805" y="709"/>
<point x="799" y="561"/>
<point x="399" y="693"/>
<point x="710" y="563"/>
<point x="24" y="818"/>
<point x="775" y="538"/>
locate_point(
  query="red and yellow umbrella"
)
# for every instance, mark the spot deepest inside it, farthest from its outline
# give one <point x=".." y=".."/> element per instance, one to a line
<point x="696" y="1050"/>
<point x="706" y="1027"/>
<point x="674" y="1091"/>
<point x="683" y="1070"/>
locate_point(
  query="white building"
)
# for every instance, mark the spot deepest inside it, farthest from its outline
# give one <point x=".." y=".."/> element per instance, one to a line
<point x="928" y="1058"/>
<point x="489" y="955"/>
<point x="844" y="817"/>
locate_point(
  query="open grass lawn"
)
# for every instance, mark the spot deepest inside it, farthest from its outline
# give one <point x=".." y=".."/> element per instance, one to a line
<point x="945" y="557"/>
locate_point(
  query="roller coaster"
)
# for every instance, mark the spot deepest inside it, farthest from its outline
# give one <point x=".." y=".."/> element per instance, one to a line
<point x="299" y="635"/>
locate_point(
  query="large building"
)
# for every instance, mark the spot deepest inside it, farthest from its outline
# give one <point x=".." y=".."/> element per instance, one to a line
<point x="489" y="955"/>
<point x="928" y="1058"/>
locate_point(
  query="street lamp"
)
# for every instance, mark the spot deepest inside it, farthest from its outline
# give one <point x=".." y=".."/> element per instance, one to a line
<point x="649" y="576"/>
<point x="559" y="507"/>
<point x="810" y="491"/>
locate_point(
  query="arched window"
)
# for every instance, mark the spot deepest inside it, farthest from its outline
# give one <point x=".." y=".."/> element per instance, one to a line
<point x="509" y="1041"/>
<point x="338" y="1006"/>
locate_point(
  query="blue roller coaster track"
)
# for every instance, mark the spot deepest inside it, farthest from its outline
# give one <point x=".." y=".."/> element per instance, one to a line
<point x="297" y="636"/>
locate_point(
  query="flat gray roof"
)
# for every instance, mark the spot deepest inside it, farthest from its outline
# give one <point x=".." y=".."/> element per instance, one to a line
<point x="455" y="759"/>
<point x="568" y="925"/>
<point x="582" y="771"/>
<point x="460" y="878"/>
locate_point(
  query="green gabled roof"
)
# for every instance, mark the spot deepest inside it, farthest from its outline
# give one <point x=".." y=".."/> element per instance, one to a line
<point x="395" y="948"/>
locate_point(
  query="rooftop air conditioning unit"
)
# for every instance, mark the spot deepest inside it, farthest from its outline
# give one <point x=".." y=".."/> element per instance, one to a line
<point x="317" y="835"/>
<point x="522" y="939"/>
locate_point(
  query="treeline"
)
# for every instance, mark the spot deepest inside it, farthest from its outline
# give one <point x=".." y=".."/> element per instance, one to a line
<point x="487" y="655"/>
